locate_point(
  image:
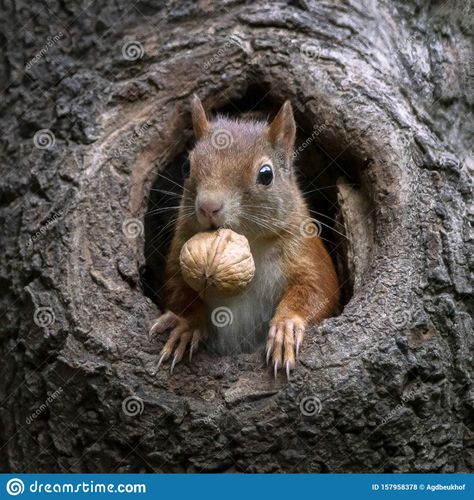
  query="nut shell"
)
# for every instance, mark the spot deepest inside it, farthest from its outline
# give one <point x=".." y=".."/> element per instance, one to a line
<point x="217" y="263"/>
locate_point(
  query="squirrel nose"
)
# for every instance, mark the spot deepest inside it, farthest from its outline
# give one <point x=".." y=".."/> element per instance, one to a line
<point x="210" y="208"/>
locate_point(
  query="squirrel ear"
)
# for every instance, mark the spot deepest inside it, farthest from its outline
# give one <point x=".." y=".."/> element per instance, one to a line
<point x="199" y="118"/>
<point x="282" y="130"/>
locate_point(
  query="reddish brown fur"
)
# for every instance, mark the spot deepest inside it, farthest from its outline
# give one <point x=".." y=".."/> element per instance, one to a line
<point x="311" y="286"/>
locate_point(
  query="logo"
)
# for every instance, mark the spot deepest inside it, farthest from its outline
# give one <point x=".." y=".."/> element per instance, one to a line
<point x="221" y="138"/>
<point x="310" y="228"/>
<point x="44" y="139"/>
<point x="310" y="406"/>
<point x="133" y="406"/>
<point x="310" y="51"/>
<point x="44" y="316"/>
<point x="132" y="228"/>
<point x="15" y="487"/>
<point x="222" y="316"/>
<point x="133" y="50"/>
<point x="400" y="317"/>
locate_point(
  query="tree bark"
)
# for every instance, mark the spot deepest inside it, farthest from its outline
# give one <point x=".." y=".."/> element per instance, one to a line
<point x="92" y="114"/>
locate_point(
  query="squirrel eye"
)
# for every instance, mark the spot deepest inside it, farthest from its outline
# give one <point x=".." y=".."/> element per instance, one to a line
<point x="265" y="175"/>
<point x="185" y="168"/>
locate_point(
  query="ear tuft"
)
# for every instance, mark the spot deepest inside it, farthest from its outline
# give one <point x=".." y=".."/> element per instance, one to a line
<point x="282" y="130"/>
<point x="199" y="118"/>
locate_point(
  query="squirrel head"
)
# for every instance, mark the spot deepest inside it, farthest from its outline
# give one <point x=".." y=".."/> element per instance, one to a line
<point x="241" y="173"/>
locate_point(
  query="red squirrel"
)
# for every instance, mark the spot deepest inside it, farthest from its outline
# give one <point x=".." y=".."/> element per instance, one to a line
<point x="242" y="177"/>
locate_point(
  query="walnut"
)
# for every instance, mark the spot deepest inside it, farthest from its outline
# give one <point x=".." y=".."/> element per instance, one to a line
<point x="217" y="263"/>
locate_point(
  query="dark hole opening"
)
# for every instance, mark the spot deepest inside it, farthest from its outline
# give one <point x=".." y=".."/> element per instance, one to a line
<point x="319" y="162"/>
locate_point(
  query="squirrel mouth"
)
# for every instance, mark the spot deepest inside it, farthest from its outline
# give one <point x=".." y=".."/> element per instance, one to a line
<point x="213" y="224"/>
<point x="213" y="227"/>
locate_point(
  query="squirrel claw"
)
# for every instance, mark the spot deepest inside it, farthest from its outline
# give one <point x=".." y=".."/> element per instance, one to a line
<point x="173" y="363"/>
<point x="162" y="358"/>
<point x="163" y="323"/>
<point x="270" y="342"/>
<point x="193" y="346"/>
<point x="284" y="340"/>
<point x="269" y="352"/>
<point x="275" y="370"/>
<point x="181" y="338"/>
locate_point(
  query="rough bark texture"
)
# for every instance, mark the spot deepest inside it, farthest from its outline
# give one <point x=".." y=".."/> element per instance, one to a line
<point x="385" y="386"/>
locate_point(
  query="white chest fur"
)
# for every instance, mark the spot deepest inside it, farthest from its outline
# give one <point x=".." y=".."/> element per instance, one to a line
<point x="240" y="323"/>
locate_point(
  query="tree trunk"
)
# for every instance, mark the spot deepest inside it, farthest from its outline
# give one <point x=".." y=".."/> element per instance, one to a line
<point x="95" y="106"/>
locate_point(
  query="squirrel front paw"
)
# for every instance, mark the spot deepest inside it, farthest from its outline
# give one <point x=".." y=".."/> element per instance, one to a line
<point x="284" y="341"/>
<point x="183" y="334"/>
